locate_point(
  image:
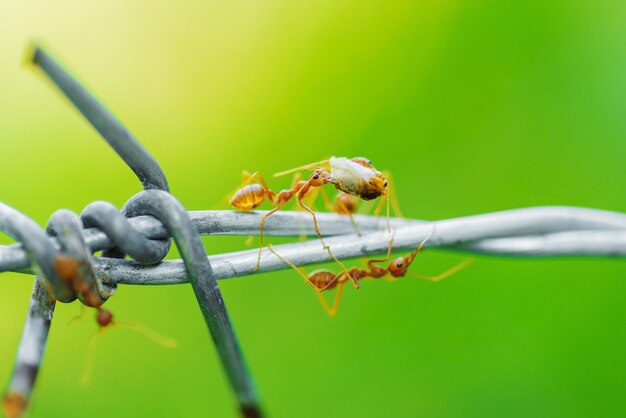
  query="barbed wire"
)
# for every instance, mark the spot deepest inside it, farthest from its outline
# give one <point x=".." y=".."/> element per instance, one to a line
<point x="531" y="232"/>
<point x="51" y="284"/>
<point x="147" y="223"/>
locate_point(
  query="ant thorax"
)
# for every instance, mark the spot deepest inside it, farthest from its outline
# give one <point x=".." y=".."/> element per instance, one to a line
<point x="356" y="178"/>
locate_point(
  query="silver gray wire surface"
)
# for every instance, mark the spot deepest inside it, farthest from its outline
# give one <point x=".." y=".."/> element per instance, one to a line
<point x="533" y="232"/>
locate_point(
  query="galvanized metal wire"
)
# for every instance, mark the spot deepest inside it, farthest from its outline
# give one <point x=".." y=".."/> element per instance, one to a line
<point x="146" y="225"/>
<point x="67" y="227"/>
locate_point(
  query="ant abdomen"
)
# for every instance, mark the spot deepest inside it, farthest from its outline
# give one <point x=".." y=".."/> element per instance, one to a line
<point x="248" y="197"/>
<point x="323" y="279"/>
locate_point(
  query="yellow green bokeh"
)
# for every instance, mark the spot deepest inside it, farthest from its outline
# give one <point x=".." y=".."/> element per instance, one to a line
<point x="474" y="106"/>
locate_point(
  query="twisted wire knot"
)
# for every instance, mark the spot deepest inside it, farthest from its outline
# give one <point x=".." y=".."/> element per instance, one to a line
<point x="67" y="267"/>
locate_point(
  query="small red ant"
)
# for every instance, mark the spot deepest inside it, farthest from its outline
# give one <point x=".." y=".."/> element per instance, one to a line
<point x="68" y="269"/>
<point x="324" y="280"/>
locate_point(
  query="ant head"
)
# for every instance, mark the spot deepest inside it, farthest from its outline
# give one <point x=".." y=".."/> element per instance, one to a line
<point x="104" y="317"/>
<point x="380" y="183"/>
<point x="319" y="178"/>
<point x="400" y="265"/>
<point x="376" y="187"/>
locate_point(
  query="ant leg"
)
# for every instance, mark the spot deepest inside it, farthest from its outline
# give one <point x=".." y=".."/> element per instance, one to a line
<point x="364" y="262"/>
<point x="335" y="307"/>
<point x="326" y="247"/>
<point x="446" y="273"/>
<point x="83" y="310"/>
<point x="343" y="207"/>
<point x="296" y="178"/>
<point x="383" y="260"/>
<point x="379" y="207"/>
<point x="331" y="311"/>
<point x="308" y="209"/>
<point x="388" y="217"/>
<point x="355" y="282"/>
<point x="311" y="197"/>
<point x="267" y="215"/>
<point x="302" y="272"/>
<point x="391" y="190"/>
<point x="370" y="263"/>
<point x="272" y="198"/>
<point x="245" y="179"/>
<point x="90" y="358"/>
<point x="371" y="266"/>
<point x="270" y="194"/>
<point x="299" y="270"/>
<point x="329" y="206"/>
<point x="327" y="308"/>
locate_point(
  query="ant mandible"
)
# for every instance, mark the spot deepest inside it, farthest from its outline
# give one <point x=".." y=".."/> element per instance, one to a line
<point x="324" y="280"/>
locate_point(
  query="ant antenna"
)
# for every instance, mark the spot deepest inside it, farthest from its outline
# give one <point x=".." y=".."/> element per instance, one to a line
<point x="141" y="329"/>
<point x="446" y="273"/>
<point x="419" y="247"/>
<point x="388" y="222"/>
<point x="90" y="359"/>
<point x="302" y="167"/>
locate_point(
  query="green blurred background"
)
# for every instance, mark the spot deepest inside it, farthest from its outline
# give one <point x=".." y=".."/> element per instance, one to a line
<point x="474" y="106"/>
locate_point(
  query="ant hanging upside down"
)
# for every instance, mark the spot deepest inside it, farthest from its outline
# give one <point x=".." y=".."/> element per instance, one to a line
<point x="354" y="178"/>
<point x="69" y="269"/>
<point x="324" y="280"/>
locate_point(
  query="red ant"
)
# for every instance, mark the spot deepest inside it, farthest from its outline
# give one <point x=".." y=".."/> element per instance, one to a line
<point x="323" y="280"/>
<point x="69" y="269"/>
